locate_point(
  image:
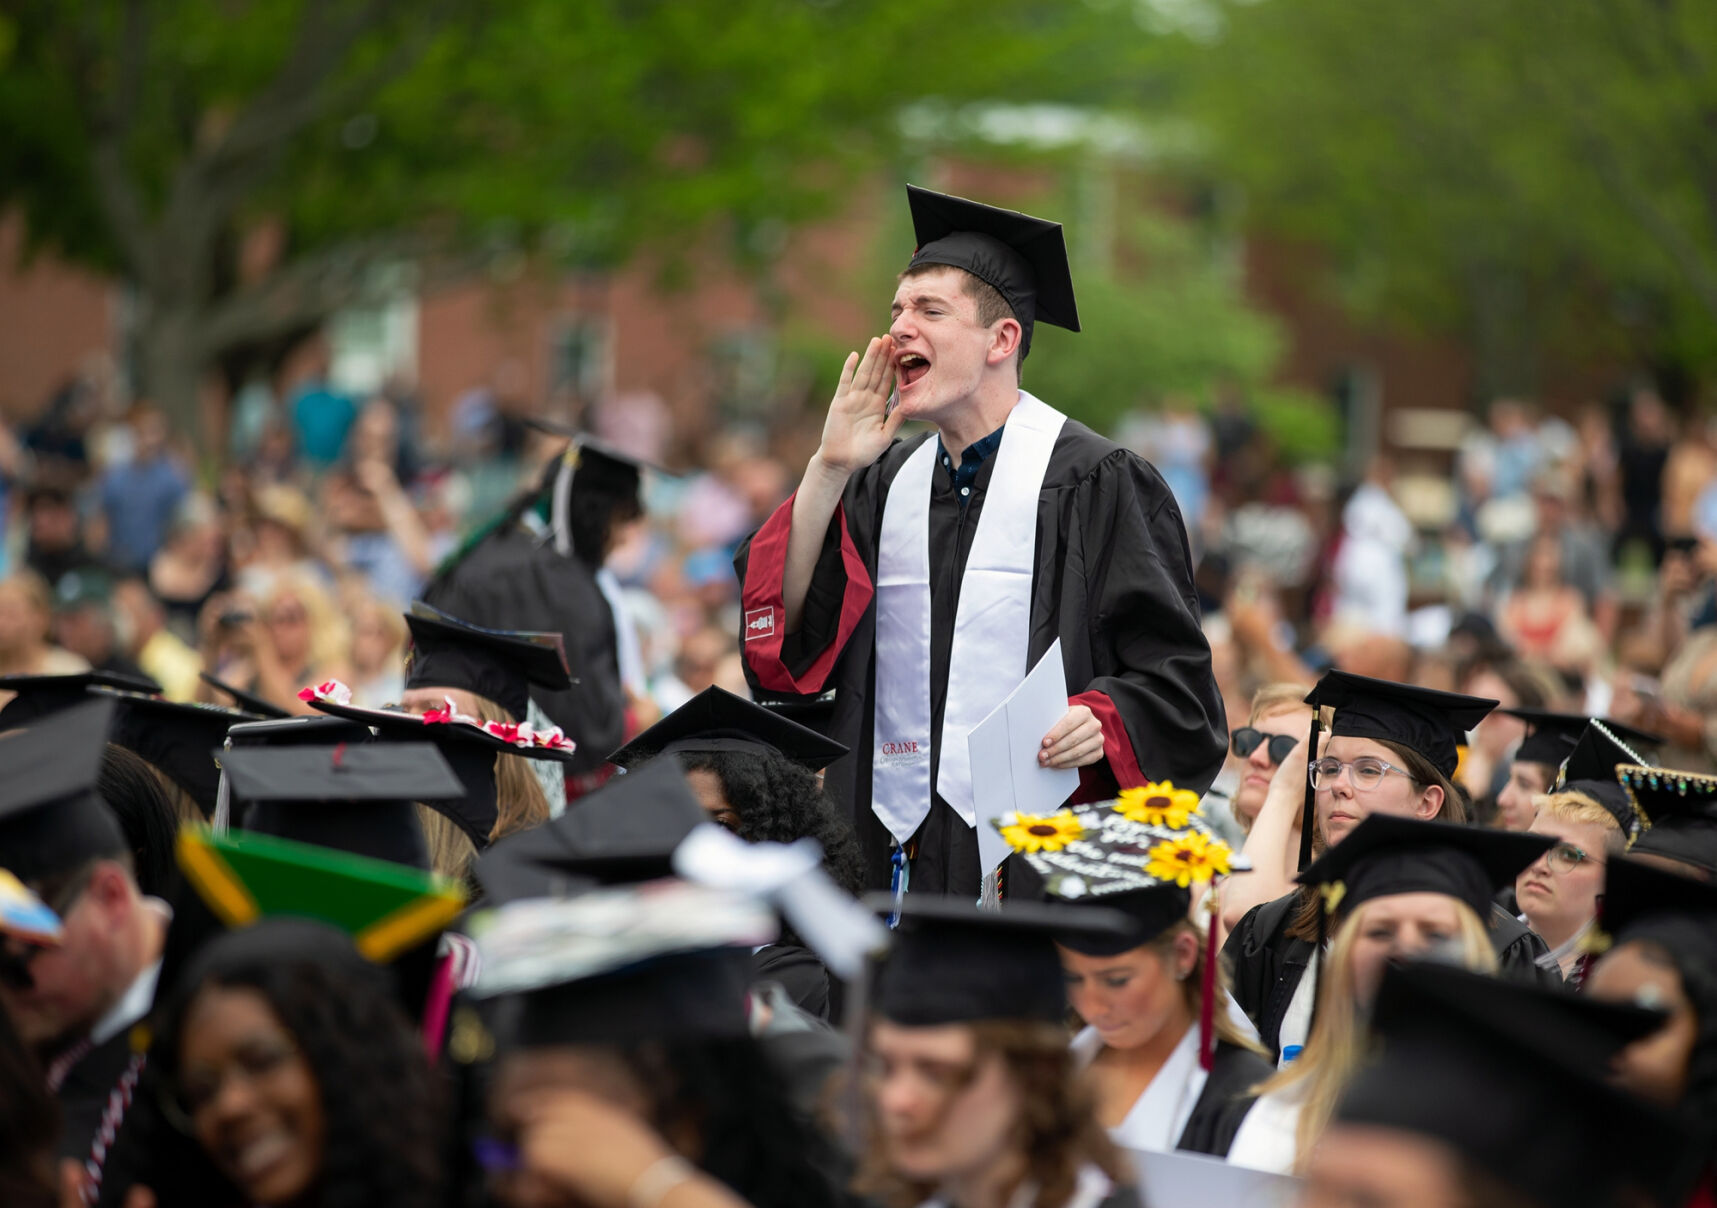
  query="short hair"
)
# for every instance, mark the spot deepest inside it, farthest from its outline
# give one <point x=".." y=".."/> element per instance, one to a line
<point x="1576" y="807"/>
<point x="1276" y="698"/>
<point x="992" y="307"/>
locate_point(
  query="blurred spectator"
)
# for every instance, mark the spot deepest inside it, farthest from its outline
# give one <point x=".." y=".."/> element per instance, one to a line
<point x="378" y="650"/>
<point x="1688" y="476"/>
<point x="1516" y="452"/>
<point x="191" y="564"/>
<point x="274" y="645"/>
<point x="53" y="534"/>
<point x="320" y="416"/>
<point x="85" y="623"/>
<point x="278" y="539"/>
<point x="1370" y="570"/>
<point x="162" y="655"/>
<point x="375" y="526"/>
<point x="1582" y="556"/>
<point x="140" y="497"/>
<point x="26" y="620"/>
<point x="1178" y="441"/>
<point x="1535" y="617"/>
<point x="696" y="666"/>
<point x="1644" y="452"/>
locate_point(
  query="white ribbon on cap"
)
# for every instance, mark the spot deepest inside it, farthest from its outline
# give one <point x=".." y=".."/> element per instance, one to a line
<point x="790" y="876"/>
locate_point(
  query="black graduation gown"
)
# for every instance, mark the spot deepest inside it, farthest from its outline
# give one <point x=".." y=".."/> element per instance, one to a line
<point x="83" y="1093"/>
<point x="1112" y="580"/>
<point x="1266" y="963"/>
<point x="1227" y="1097"/>
<point x="510" y="580"/>
<point x="798" y="971"/>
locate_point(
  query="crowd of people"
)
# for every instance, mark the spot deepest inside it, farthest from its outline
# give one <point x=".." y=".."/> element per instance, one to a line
<point x="505" y="820"/>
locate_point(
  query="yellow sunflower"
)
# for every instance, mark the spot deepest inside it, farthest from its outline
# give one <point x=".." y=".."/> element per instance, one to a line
<point x="1040" y="832"/>
<point x="1158" y="804"/>
<point x="1194" y="856"/>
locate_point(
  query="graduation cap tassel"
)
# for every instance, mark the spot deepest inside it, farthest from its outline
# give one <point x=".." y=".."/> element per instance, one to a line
<point x="1207" y="986"/>
<point x="1308" y="811"/>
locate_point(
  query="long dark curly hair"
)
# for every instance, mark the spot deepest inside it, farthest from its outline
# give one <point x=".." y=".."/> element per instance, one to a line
<point x="778" y="801"/>
<point x="725" y="1094"/>
<point x="381" y="1105"/>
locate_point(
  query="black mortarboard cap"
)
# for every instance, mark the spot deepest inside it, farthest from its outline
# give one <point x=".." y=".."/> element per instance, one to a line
<point x="298" y="732"/>
<point x="691" y="994"/>
<point x="1490" y="1069"/>
<point x="51" y="818"/>
<point x="1425" y="720"/>
<point x="176" y="738"/>
<point x="717" y="720"/>
<point x="1678" y="812"/>
<point x="1551" y="736"/>
<point x="813" y="712"/>
<point x="39" y="695"/>
<point x="357" y="799"/>
<point x="1386" y="855"/>
<point x="628" y="829"/>
<point x="499" y="665"/>
<point x="1023" y="258"/>
<point x="594" y="452"/>
<point x="952" y="962"/>
<point x="1644" y="902"/>
<point x="1591" y="769"/>
<point x="248" y="701"/>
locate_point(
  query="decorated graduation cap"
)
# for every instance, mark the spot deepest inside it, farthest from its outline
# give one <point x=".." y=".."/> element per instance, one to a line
<point x="621" y="964"/>
<point x="1432" y="723"/>
<point x="1678" y="814"/>
<point x="1551" y="736"/>
<point x="1022" y="258"/>
<point x="953" y="962"/>
<point x="355" y="799"/>
<point x="716" y="720"/>
<point x="496" y="664"/>
<point x="624" y="832"/>
<point x="250" y="702"/>
<point x="386" y="909"/>
<point x="1591" y="769"/>
<point x="177" y="738"/>
<point x="51" y="818"/>
<point x="24" y="916"/>
<point x="468" y="745"/>
<point x="1491" y="1068"/>
<point x="39" y="695"/>
<point x="1387" y="855"/>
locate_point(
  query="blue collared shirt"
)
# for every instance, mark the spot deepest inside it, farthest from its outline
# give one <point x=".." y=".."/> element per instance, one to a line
<point x="971" y="460"/>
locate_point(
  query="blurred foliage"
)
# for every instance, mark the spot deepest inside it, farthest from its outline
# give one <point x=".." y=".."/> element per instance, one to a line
<point x="1537" y="176"/>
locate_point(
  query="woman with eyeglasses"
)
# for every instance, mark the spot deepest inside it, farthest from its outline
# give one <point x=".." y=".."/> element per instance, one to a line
<point x="1395" y="890"/>
<point x="1558" y="894"/>
<point x="285" y="1056"/>
<point x="1392" y="749"/>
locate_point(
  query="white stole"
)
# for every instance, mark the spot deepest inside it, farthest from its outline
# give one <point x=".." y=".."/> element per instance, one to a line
<point x="992" y="623"/>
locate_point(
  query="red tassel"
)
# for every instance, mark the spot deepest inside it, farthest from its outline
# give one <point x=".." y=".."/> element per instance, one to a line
<point x="1207" y="989"/>
<point x="339" y="756"/>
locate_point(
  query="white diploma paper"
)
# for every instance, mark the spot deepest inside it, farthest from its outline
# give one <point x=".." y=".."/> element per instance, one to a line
<point x="1006" y="777"/>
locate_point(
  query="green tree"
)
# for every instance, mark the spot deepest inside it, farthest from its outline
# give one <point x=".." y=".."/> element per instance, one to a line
<point x="163" y="142"/>
<point x="1536" y="176"/>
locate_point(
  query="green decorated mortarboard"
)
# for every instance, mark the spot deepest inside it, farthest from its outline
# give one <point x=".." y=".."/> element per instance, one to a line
<point x="386" y="908"/>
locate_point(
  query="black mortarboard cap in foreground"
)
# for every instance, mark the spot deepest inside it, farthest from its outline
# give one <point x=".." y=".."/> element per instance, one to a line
<point x="692" y="994"/>
<point x="248" y="701"/>
<point x="1490" y="1069"/>
<point x="1387" y="855"/>
<point x="176" y="738"/>
<point x="1591" y="769"/>
<point x="717" y="720"/>
<point x="498" y="665"/>
<point x="1022" y="258"/>
<point x="1551" y="736"/>
<point x="357" y="799"/>
<point x="952" y="962"/>
<point x="298" y="732"/>
<point x="1642" y="902"/>
<point x="39" y="695"/>
<point x="51" y="818"/>
<point x="1425" y="720"/>
<point x="628" y="829"/>
<point x="1679" y="813"/>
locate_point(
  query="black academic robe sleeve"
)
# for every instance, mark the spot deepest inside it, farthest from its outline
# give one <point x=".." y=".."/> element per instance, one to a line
<point x="798" y="971"/>
<point x="1112" y="580"/>
<point x="1265" y="966"/>
<point x="510" y="581"/>
<point x="1235" y="1074"/>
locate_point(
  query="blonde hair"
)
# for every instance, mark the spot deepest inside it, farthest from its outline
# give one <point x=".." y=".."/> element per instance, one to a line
<point x="1278" y="697"/>
<point x="519" y="800"/>
<point x="1336" y="1047"/>
<point x="1192" y="986"/>
<point x="450" y="848"/>
<point x="329" y="641"/>
<point x="1576" y="807"/>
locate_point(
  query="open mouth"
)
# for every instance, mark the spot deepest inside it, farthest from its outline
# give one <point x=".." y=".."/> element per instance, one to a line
<point x="911" y="366"/>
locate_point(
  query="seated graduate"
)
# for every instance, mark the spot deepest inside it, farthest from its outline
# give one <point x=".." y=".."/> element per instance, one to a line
<point x="626" y="1073"/>
<point x="1392" y="749"/>
<point x="1392" y="890"/>
<point x="1678" y="816"/>
<point x="1662" y="929"/>
<point x="1169" y="1073"/>
<point x="1550" y="740"/>
<point x="1491" y="1094"/>
<point x="972" y="1092"/>
<point x="755" y="772"/>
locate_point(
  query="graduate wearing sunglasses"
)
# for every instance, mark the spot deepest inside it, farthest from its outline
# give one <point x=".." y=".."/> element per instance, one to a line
<point x="1259" y="749"/>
